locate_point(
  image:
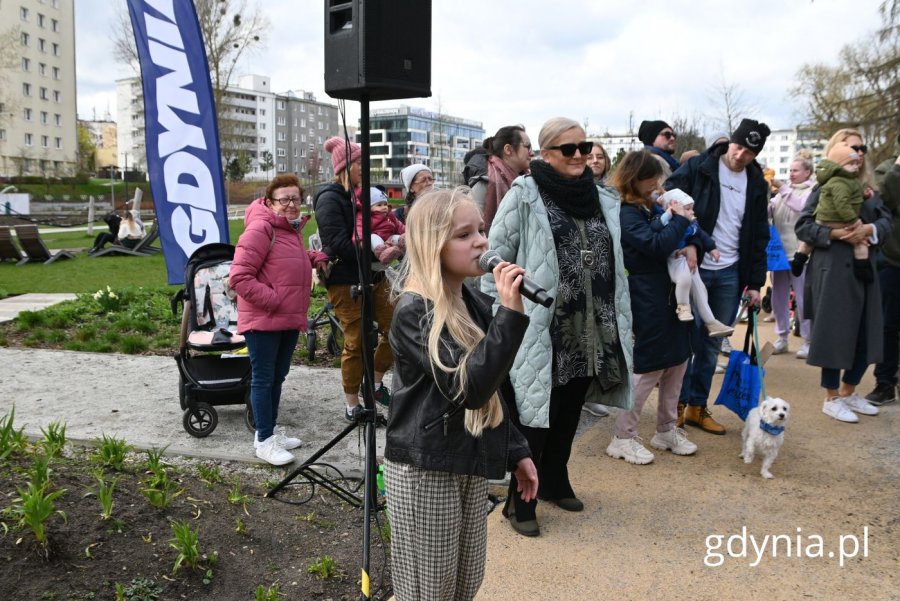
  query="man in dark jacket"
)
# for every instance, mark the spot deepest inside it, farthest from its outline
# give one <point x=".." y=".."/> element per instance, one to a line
<point x="659" y="138"/>
<point x="730" y="203"/>
<point x="887" y="176"/>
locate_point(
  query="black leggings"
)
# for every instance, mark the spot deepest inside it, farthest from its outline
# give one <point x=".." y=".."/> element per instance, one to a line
<point x="551" y="447"/>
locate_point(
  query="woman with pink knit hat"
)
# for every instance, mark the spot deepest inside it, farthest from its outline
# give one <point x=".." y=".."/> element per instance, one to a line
<point x="334" y="206"/>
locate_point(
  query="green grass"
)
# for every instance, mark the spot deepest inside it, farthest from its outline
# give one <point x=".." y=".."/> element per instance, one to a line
<point x="86" y="274"/>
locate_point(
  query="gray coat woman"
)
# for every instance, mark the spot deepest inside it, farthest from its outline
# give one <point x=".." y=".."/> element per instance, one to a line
<point x="846" y="332"/>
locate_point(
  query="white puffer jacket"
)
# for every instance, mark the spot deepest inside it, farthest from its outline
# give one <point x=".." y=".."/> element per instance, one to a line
<point x="521" y="233"/>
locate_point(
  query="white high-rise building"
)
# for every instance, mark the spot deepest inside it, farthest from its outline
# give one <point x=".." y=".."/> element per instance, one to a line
<point x="38" y="130"/>
<point x="291" y="126"/>
<point x="616" y="143"/>
<point x="782" y="146"/>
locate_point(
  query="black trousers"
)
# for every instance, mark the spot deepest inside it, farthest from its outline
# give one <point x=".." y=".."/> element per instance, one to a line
<point x="550" y="448"/>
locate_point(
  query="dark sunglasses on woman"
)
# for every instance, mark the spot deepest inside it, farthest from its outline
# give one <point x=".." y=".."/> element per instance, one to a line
<point x="568" y="150"/>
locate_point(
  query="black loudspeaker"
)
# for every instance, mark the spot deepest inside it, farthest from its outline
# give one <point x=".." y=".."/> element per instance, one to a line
<point x="377" y="49"/>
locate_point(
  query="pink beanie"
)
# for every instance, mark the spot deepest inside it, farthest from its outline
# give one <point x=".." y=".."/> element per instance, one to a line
<point x="338" y="149"/>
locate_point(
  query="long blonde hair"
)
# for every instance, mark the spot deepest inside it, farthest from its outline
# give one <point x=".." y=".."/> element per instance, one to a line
<point x="429" y="226"/>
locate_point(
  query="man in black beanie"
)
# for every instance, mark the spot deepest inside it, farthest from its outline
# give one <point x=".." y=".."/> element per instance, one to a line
<point x="731" y="200"/>
<point x="659" y="138"/>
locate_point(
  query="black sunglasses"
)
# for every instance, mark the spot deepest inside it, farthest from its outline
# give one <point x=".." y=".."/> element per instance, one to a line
<point x="568" y="150"/>
<point x="670" y="135"/>
<point x="861" y="148"/>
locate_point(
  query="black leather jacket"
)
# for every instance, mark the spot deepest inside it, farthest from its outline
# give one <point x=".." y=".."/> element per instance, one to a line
<point x="425" y="428"/>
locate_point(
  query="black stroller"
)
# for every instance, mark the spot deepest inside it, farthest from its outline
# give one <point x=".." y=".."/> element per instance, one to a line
<point x="210" y="371"/>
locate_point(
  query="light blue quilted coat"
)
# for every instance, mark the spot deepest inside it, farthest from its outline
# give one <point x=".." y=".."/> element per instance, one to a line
<point x="521" y="234"/>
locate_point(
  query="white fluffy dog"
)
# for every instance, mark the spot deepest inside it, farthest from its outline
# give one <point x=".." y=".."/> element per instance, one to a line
<point x="764" y="432"/>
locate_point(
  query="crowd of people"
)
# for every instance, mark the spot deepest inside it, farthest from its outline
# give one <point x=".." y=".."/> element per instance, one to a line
<point x="648" y="262"/>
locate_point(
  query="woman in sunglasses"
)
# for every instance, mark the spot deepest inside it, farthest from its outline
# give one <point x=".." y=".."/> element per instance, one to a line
<point x="272" y="275"/>
<point x="563" y="229"/>
<point x="847" y="326"/>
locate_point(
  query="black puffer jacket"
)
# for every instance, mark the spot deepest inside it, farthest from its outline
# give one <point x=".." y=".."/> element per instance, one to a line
<point x="699" y="178"/>
<point x="425" y="428"/>
<point x="334" y="217"/>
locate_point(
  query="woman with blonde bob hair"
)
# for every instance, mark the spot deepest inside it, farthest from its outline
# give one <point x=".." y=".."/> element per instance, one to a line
<point x="564" y="230"/>
<point x="449" y="430"/>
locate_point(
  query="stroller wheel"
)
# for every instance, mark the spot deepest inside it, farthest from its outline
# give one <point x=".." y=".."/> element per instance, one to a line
<point x="311" y="345"/>
<point x="200" y="420"/>
<point x="249" y="419"/>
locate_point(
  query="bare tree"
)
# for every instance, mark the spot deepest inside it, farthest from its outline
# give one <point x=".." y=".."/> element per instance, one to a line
<point x="730" y="103"/>
<point x="689" y="136"/>
<point x="862" y="91"/>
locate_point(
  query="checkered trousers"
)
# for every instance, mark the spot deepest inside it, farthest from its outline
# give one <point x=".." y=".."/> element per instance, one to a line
<point x="438" y="533"/>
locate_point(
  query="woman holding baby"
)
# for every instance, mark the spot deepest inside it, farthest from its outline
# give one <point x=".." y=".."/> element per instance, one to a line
<point x="661" y="339"/>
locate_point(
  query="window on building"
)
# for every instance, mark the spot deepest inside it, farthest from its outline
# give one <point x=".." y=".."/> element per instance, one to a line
<point x="42" y="44"/>
<point x="26" y="64"/>
<point x="55" y="49"/>
<point x="55" y="3"/>
<point x="56" y="96"/>
<point x="281" y="105"/>
<point x="43" y="93"/>
<point x="55" y="72"/>
<point x="42" y="69"/>
<point x="27" y="114"/>
<point x="262" y="112"/>
<point x="302" y="122"/>
<point x="281" y="152"/>
<point x="57" y="120"/>
<point x="54" y="24"/>
<point x="282" y="121"/>
<point x="28" y="139"/>
<point x="26" y="89"/>
<point x="26" y="39"/>
<point x="2" y="134"/>
<point x="784" y="148"/>
<point x="42" y="21"/>
<point x="783" y="160"/>
<point x="44" y="117"/>
<point x="58" y="143"/>
<point x="23" y="13"/>
<point x="45" y="141"/>
<point x="302" y="108"/>
<point x="281" y="136"/>
<point x="262" y="125"/>
<point x="303" y="137"/>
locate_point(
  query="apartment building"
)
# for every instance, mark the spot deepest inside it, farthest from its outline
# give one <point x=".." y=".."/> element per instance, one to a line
<point x="406" y="135"/>
<point x="256" y="122"/>
<point x="37" y="88"/>
<point x="783" y="145"/>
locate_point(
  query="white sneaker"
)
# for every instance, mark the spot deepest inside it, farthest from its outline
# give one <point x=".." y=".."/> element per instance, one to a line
<point x="674" y="440"/>
<point x="860" y="405"/>
<point x="629" y="449"/>
<point x="269" y="451"/>
<point x="769" y="318"/>
<point x="283" y="441"/>
<point x="595" y="409"/>
<point x="781" y="346"/>
<point x="837" y="409"/>
<point x="726" y="347"/>
<point x="803" y="353"/>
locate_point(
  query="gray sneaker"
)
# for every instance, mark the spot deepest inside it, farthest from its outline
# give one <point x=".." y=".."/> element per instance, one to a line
<point x="596" y="409"/>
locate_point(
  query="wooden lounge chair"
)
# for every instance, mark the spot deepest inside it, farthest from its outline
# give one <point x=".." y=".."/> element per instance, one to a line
<point x="144" y="248"/>
<point x="8" y="248"/>
<point x="35" y="249"/>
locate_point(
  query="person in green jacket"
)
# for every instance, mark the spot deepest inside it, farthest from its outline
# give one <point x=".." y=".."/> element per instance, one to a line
<point x="840" y="200"/>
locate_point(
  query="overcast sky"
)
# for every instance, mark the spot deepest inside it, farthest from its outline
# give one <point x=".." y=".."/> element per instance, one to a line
<point x="524" y="61"/>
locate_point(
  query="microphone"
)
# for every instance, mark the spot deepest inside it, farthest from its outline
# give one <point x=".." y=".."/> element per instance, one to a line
<point x="530" y="290"/>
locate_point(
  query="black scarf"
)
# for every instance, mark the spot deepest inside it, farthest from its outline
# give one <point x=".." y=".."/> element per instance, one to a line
<point x="578" y="197"/>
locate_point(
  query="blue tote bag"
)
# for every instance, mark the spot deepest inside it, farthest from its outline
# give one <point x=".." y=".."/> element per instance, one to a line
<point x="743" y="376"/>
<point x="775" y="255"/>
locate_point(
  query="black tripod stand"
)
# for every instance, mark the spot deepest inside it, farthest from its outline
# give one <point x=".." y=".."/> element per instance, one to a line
<point x="368" y="418"/>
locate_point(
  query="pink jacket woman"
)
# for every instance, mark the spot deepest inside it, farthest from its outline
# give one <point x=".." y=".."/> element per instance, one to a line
<point x="272" y="272"/>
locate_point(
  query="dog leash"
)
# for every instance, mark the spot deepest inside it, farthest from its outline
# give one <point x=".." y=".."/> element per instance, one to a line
<point x="759" y="365"/>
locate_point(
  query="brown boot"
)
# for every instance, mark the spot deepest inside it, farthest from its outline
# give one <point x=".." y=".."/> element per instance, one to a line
<point x="699" y="417"/>
<point x="679" y="423"/>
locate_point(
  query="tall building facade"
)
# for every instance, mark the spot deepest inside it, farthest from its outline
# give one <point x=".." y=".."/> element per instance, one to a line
<point x="105" y="138"/>
<point x="406" y="135"/>
<point x="258" y="124"/>
<point x="782" y="146"/>
<point x="37" y="88"/>
<point x="618" y="143"/>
